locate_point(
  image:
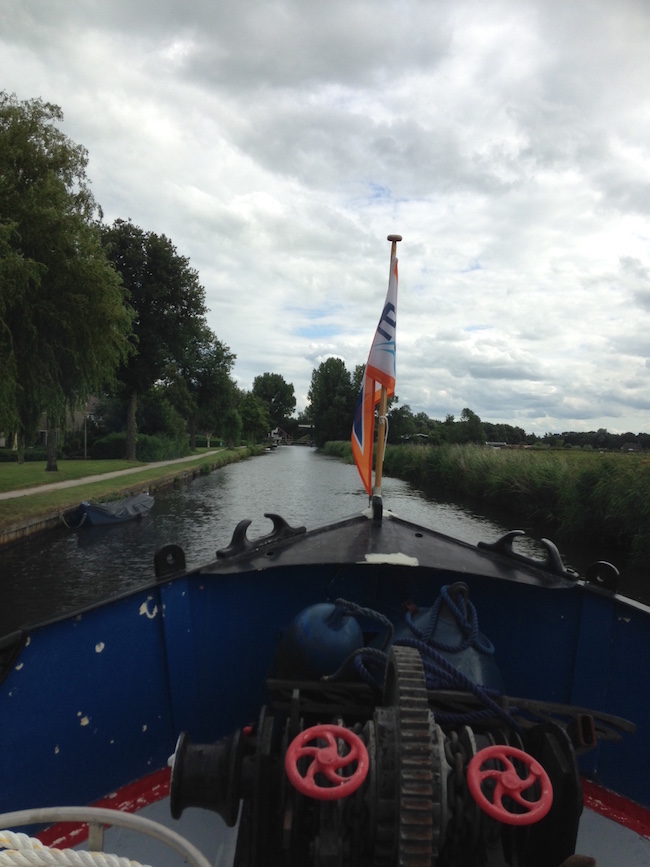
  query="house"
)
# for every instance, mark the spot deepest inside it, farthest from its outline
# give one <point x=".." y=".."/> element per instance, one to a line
<point x="279" y="437"/>
<point x="75" y="421"/>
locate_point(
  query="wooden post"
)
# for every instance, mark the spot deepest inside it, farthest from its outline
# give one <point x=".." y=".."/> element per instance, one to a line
<point x="381" y="441"/>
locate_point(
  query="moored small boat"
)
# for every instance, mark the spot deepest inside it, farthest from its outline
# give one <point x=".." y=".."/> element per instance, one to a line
<point x="113" y="512"/>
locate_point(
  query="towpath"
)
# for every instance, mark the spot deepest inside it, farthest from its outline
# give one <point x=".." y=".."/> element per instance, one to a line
<point x="86" y="480"/>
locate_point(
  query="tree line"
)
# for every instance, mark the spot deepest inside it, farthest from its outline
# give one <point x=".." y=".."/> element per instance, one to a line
<point x="333" y="395"/>
<point x="108" y="310"/>
<point x="116" y="312"/>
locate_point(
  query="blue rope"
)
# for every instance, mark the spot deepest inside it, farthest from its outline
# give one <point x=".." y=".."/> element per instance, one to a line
<point x="467" y="622"/>
<point x="353" y="608"/>
<point x="440" y="673"/>
<point x="358" y="660"/>
<point x="375" y="657"/>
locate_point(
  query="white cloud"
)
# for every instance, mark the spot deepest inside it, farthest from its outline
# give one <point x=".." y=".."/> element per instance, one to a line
<point x="278" y="143"/>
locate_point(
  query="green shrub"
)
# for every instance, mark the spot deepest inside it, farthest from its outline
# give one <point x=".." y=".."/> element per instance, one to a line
<point x="148" y="447"/>
<point x="110" y="447"/>
<point x="160" y="448"/>
<point x="33" y="454"/>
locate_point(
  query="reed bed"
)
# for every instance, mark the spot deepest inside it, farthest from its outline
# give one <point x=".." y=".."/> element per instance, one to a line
<point x="579" y="495"/>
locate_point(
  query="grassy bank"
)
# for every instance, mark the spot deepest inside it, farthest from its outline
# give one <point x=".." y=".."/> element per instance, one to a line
<point x="13" y="477"/>
<point x="23" y="509"/>
<point x="579" y="495"/>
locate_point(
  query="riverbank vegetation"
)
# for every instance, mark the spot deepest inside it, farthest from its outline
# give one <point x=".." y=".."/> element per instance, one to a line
<point x="579" y="495"/>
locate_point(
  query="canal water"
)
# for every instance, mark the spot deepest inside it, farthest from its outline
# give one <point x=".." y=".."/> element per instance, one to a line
<point x="62" y="570"/>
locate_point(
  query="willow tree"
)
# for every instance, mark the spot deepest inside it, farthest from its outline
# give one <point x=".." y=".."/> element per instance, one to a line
<point x="169" y="305"/>
<point x="15" y="276"/>
<point x="64" y="316"/>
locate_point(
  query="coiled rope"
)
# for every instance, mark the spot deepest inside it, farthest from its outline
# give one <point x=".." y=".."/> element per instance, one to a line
<point x="22" y="855"/>
<point x="24" y="851"/>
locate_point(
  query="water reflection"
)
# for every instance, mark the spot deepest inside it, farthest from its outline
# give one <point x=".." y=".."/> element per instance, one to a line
<point x="62" y="570"/>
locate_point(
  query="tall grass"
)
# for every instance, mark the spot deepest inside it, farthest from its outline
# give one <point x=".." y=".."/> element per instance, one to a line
<point x="580" y="495"/>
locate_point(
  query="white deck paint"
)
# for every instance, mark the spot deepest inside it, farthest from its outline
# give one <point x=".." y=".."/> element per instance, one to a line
<point x="611" y="844"/>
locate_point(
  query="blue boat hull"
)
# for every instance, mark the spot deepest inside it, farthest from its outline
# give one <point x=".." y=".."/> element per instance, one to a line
<point x="114" y="512"/>
<point x="111" y="687"/>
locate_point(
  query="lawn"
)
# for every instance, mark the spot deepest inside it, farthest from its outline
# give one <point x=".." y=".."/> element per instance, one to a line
<point x="32" y="473"/>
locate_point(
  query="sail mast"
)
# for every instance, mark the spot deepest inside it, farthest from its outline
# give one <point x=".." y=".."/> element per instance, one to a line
<point x="377" y="506"/>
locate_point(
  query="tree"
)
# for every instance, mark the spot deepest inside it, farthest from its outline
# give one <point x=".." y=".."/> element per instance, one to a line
<point x="179" y="395"/>
<point x="277" y="394"/>
<point x="255" y="417"/>
<point x="332" y="401"/>
<point x="16" y="273"/>
<point x="401" y="424"/>
<point x="506" y="433"/>
<point x="157" y="416"/>
<point x="430" y="428"/>
<point x="357" y="377"/>
<point x="170" y="309"/>
<point x="216" y="391"/>
<point x="64" y="320"/>
<point x="473" y="430"/>
<point x="231" y="427"/>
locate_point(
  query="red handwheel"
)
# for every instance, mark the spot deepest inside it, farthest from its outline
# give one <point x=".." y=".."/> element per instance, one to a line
<point x="508" y="784"/>
<point x="327" y="762"/>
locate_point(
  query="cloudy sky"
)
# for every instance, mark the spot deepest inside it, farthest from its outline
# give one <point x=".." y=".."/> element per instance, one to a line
<point x="278" y="143"/>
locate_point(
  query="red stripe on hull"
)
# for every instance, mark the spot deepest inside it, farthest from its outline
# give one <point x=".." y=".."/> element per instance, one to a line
<point x="154" y="787"/>
<point x="616" y="807"/>
<point x="129" y="799"/>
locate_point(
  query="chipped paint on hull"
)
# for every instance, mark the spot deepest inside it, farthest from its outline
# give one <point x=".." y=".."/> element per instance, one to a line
<point x="146" y="610"/>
